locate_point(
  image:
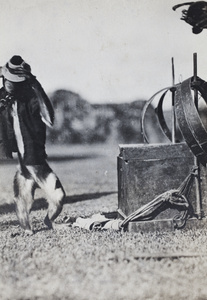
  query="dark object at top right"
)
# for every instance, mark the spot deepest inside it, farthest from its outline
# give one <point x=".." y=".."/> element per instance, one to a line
<point x="195" y="15"/>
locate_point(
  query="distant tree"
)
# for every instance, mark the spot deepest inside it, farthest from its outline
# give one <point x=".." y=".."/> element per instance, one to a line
<point x="78" y="121"/>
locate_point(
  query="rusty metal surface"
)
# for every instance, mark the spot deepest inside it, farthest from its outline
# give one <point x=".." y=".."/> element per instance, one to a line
<point x="153" y="151"/>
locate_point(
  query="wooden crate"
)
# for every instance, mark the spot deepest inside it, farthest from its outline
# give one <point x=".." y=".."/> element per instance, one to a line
<point x="146" y="171"/>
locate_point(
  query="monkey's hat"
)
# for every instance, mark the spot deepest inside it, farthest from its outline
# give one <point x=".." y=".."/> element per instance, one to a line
<point x="11" y="71"/>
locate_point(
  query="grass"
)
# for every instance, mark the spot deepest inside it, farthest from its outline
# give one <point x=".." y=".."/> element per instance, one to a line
<point x="76" y="264"/>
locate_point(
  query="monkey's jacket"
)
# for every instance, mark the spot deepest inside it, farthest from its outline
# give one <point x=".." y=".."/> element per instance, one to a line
<point x="23" y="120"/>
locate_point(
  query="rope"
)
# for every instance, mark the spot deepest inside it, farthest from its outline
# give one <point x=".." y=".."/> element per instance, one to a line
<point x="176" y="198"/>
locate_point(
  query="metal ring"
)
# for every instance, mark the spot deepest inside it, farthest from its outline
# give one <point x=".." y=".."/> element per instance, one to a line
<point x="189" y="120"/>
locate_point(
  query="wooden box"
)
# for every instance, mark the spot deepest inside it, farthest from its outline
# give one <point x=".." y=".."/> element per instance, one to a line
<point x="148" y="170"/>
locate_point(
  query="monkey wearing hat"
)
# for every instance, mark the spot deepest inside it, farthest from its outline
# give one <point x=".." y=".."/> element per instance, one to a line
<point x="25" y="110"/>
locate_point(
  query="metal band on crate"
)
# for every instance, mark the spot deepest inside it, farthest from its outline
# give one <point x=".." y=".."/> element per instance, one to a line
<point x="184" y="127"/>
<point x="188" y="117"/>
<point x="144" y="111"/>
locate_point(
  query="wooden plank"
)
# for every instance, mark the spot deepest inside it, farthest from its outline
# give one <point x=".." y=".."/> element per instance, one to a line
<point x="154" y="151"/>
<point x="172" y="256"/>
<point x="194" y="223"/>
<point x="141" y="180"/>
<point x="165" y="225"/>
<point x="151" y="226"/>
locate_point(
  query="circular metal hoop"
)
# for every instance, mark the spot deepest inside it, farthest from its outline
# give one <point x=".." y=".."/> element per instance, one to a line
<point x="189" y="121"/>
<point x="146" y="106"/>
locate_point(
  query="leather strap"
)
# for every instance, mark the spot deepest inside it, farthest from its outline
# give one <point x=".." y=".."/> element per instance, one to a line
<point x="161" y="118"/>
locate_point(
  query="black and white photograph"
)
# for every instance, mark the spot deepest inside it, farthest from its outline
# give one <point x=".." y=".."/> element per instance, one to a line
<point x="103" y="150"/>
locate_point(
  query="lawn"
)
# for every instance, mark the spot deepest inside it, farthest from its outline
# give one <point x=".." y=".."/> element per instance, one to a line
<point x="76" y="264"/>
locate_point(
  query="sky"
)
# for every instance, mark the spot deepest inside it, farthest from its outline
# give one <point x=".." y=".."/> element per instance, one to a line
<point x="108" y="51"/>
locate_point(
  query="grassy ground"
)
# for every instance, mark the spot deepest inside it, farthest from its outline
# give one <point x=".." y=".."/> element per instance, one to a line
<point x="98" y="265"/>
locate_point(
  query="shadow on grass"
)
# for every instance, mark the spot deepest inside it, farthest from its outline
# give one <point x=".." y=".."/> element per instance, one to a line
<point x="53" y="158"/>
<point x="59" y="158"/>
<point x="41" y="203"/>
<point x="7" y="208"/>
<point x="84" y="197"/>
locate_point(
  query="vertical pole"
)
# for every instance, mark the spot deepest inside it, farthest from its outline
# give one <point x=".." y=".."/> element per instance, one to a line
<point x="173" y="104"/>
<point x="196" y="162"/>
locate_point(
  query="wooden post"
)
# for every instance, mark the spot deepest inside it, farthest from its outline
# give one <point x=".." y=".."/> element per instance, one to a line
<point x="173" y="104"/>
<point x="196" y="162"/>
